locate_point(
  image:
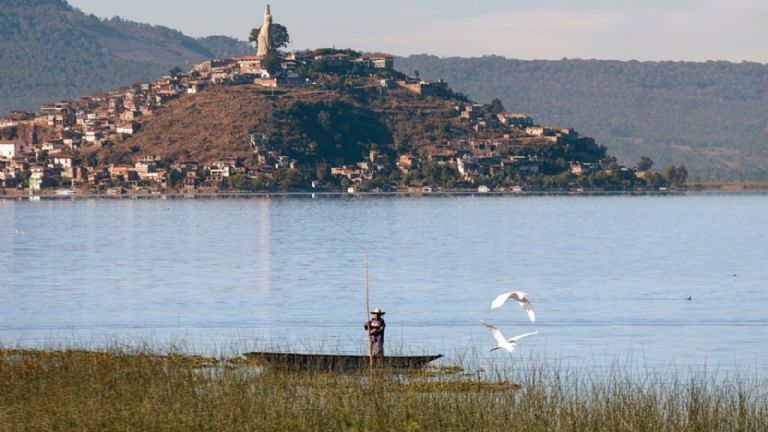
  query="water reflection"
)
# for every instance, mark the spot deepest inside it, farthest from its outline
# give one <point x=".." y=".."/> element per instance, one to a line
<point x="264" y="243"/>
<point x="608" y="275"/>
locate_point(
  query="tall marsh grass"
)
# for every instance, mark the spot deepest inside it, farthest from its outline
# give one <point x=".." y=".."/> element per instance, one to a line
<point x="143" y="390"/>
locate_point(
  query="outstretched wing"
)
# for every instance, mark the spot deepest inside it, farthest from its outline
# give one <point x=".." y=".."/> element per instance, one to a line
<point x="522" y="336"/>
<point x="500" y="340"/>
<point x="526" y="305"/>
<point x="499" y="301"/>
<point x="520" y="297"/>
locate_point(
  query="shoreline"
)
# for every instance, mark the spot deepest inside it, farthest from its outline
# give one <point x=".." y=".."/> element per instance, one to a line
<point x="76" y="196"/>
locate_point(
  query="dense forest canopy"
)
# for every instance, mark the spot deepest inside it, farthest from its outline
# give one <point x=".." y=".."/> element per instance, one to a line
<point x="712" y="117"/>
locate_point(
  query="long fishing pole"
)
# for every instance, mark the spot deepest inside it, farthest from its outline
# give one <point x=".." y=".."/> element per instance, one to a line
<point x="367" y="314"/>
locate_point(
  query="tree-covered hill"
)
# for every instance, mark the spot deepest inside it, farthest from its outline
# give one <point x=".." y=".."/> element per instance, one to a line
<point x="50" y="51"/>
<point x="712" y="117"/>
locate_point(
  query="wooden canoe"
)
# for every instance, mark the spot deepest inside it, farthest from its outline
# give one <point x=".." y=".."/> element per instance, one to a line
<point x="337" y="362"/>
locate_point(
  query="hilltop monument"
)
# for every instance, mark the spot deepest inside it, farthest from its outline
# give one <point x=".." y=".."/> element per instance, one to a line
<point x="263" y="40"/>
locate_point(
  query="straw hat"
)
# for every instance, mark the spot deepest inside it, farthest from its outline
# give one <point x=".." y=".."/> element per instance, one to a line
<point x="378" y="311"/>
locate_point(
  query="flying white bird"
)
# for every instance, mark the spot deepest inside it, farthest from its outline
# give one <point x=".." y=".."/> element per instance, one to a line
<point x="501" y="341"/>
<point x="520" y="297"/>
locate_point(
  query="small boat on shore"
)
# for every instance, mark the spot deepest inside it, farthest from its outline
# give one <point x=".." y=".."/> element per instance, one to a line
<point x="337" y="362"/>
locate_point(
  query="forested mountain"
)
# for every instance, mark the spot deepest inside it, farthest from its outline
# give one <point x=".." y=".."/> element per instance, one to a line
<point x="712" y="117"/>
<point x="51" y="51"/>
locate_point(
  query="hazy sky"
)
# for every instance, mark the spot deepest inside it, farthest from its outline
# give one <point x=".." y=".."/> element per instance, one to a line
<point x="696" y="30"/>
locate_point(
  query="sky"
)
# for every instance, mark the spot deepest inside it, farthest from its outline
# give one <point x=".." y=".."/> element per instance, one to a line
<point x="650" y="30"/>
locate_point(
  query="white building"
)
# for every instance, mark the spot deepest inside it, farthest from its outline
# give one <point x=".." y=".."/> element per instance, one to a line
<point x="11" y="150"/>
<point x="127" y="128"/>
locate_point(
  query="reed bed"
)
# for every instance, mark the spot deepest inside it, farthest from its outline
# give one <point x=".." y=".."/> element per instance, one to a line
<point x="144" y="390"/>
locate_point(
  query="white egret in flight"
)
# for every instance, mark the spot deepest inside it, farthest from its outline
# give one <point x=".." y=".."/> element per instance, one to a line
<point x="520" y="297"/>
<point x="501" y="341"/>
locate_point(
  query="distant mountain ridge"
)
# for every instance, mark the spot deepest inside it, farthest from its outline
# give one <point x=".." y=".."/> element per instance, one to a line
<point x="50" y="51"/>
<point x="712" y="117"/>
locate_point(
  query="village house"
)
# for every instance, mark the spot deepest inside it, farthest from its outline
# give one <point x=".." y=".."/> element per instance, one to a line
<point x="471" y="111"/>
<point x="335" y="61"/>
<point x="408" y="162"/>
<point x="579" y="168"/>
<point x="10" y="150"/>
<point x="266" y="81"/>
<point x="64" y="161"/>
<point x="146" y="167"/>
<point x="223" y="64"/>
<point x="66" y="164"/>
<point x="426" y="88"/>
<point x="185" y="166"/>
<point x="481" y="146"/>
<point x="92" y="136"/>
<point x="353" y="174"/>
<point x="129" y="128"/>
<point x="222" y="168"/>
<point x="98" y="177"/>
<point x="515" y="119"/>
<point x="486" y="124"/>
<point x="191" y="180"/>
<point x="539" y="131"/>
<point x="442" y="155"/>
<point x="130" y="115"/>
<point x="381" y="61"/>
<point x="71" y="138"/>
<point x="7" y="174"/>
<point x="379" y="161"/>
<point x="125" y="172"/>
<point x="197" y="86"/>
<point x="250" y="64"/>
<point x="38" y="176"/>
<point x="52" y="146"/>
<point x="116" y="105"/>
<point x="19" y="163"/>
<point x="7" y="177"/>
<point x="59" y="114"/>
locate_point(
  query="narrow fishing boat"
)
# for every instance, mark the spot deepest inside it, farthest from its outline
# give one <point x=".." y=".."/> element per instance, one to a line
<point x="338" y="362"/>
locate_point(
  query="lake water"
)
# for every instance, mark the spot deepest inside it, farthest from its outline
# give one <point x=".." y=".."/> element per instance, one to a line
<point x="609" y="277"/>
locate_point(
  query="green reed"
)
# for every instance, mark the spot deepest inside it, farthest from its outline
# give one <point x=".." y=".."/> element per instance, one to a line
<point x="140" y="389"/>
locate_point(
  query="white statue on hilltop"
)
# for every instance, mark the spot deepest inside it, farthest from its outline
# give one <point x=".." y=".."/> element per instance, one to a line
<point x="263" y="41"/>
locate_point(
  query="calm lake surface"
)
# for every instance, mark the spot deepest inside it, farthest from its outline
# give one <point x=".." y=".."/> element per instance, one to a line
<point x="609" y="277"/>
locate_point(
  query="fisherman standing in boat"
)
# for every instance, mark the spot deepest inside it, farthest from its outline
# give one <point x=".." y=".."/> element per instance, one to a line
<point x="375" y="327"/>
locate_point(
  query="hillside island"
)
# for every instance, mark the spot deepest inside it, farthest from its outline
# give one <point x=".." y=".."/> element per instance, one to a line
<point x="315" y="120"/>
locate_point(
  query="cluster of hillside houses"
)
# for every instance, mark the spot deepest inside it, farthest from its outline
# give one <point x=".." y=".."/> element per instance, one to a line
<point x="116" y="115"/>
<point x="490" y="151"/>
